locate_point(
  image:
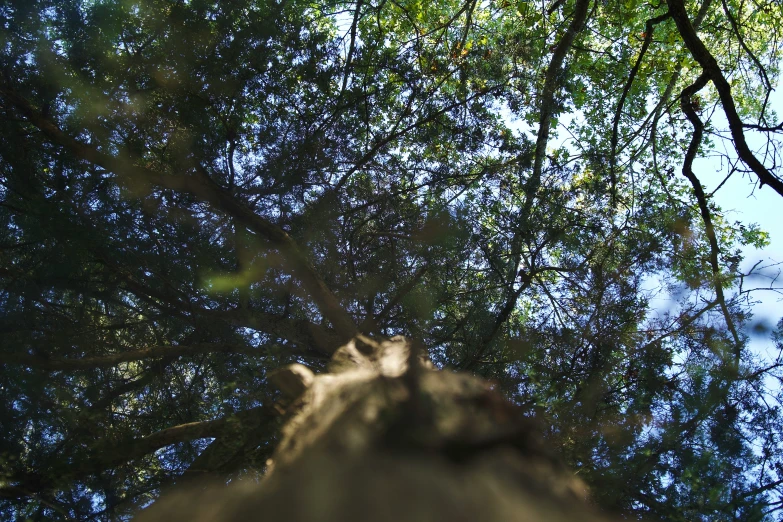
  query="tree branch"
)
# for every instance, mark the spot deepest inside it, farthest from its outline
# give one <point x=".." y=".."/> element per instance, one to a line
<point x="86" y="363"/>
<point x="712" y="71"/>
<point x="201" y="186"/>
<point x="648" y="34"/>
<point x="404" y="290"/>
<point x="67" y="470"/>
<point x="551" y="84"/>
<point x="687" y="169"/>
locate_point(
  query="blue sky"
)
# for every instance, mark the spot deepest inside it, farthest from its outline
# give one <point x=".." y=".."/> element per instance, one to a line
<point x="745" y="202"/>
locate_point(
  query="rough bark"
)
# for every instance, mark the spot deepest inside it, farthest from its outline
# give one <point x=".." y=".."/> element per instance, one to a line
<point x="384" y="436"/>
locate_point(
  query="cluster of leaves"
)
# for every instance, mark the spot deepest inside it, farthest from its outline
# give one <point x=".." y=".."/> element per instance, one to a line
<point x="193" y="193"/>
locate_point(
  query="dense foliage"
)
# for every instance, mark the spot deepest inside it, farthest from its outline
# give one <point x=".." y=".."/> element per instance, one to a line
<point x="195" y="192"/>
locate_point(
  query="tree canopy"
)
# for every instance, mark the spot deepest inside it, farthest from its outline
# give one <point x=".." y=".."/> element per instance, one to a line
<point x="195" y="192"/>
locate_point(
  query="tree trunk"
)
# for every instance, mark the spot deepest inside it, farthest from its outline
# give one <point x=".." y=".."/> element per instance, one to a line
<point x="385" y="437"/>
